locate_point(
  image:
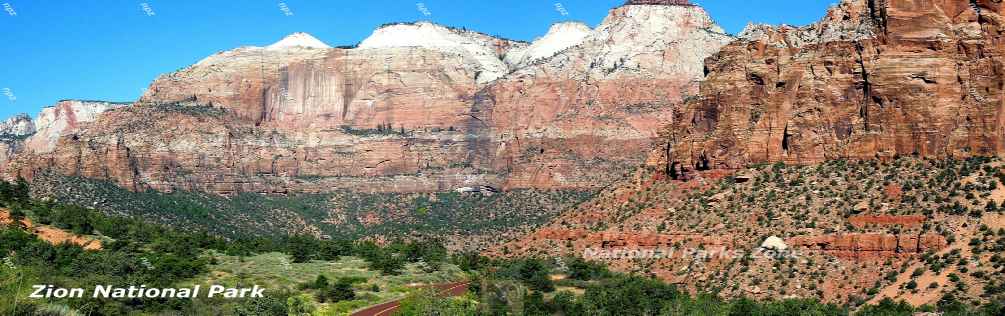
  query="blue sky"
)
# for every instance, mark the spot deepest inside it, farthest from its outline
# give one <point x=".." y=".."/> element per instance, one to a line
<point x="112" y="49"/>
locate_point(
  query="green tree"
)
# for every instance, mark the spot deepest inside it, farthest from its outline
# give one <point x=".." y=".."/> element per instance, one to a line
<point x="581" y="269"/>
<point x="341" y="291"/>
<point x="299" y="305"/>
<point x="321" y="282"/>
<point x="263" y="306"/>
<point x="887" y="307"/>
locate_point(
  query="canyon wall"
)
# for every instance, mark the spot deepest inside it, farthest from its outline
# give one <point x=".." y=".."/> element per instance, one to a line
<point x="872" y="79"/>
<point x="415" y="107"/>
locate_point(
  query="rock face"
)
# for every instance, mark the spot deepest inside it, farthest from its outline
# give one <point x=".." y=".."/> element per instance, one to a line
<point x="17" y="126"/>
<point x="605" y="96"/>
<point x="870" y="245"/>
<point x="872" y="79"/>
<point x="482" y="51"/>
<point x="415" y="107"/>
<point x="67" y="115"/>
<point x="23" y="138"/>
<point x="560" y="37"/>
<point x="13" y="131"/>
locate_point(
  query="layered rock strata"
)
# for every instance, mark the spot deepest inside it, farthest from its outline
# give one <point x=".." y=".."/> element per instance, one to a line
<point x="415" y="107"/>
<point x="872" y="79"/>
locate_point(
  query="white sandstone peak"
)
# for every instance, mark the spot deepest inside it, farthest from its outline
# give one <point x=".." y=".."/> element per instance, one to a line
<point x="661" y="19"/>
<point x="684" y="34"/>
<point x="560" y="36"/>
<point x="299" y="39"/>
<point x="481" y="49"/>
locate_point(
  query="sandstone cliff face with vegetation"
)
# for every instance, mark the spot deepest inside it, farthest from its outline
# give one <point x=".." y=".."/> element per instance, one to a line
<point x="872" y="79"/>
<point x="415" y="107"/>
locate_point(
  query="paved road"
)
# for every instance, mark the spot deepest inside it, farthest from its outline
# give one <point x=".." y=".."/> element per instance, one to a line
<point x="386" y="309"/>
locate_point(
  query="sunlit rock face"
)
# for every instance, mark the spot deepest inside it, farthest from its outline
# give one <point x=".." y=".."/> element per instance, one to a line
<point x="19" y="125"/>
<point x="57" y="120"/>
<point x="590" y="108"/>
<point x="13" y="131"/>
<point x="414" y="107"/>
<point x="872" y="79"/>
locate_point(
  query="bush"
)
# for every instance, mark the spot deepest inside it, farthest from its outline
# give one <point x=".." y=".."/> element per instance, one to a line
<point x="340" y="291"/>
<point x="580" y="269"/>
<point x="911" y="285"/>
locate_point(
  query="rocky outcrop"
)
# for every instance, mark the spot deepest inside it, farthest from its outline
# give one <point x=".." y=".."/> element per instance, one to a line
<point x="23" y="138"/>
<point x="67" y="115"/>
<point x="13" y="131"/>
<point x="870" y="245"/>
<point x="415" y="107"/>
<point x="18" y="126"/>
<point x="605" y="96"/>
<point x="561" y="36"/>
<point x="872" y="79"/>
<point x="483" y="52"/>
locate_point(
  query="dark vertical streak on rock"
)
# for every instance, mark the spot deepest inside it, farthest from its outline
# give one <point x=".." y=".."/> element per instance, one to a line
<point x="866" y="86"/>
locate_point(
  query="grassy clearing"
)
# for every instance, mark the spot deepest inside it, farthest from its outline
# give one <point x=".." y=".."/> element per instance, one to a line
<point x="277" y="272"/>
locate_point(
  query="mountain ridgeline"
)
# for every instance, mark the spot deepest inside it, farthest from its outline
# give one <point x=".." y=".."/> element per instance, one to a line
<point x="415" y="107"/>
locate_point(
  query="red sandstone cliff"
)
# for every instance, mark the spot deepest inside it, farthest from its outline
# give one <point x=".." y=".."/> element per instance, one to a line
<point x="416" y="107"/>
<point x="872" y="79"/>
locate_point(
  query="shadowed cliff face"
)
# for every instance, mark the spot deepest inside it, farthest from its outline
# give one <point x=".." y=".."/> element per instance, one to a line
<point x="416" y="107"/>
<point x="872" y="79"/>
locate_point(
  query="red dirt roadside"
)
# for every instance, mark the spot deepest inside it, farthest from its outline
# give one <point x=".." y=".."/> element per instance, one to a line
<point x="51" y="234"/>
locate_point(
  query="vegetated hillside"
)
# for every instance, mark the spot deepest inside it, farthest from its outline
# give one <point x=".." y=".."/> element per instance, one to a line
<point x="464" y="220"/>
<point x="910" y="228"/>
<point x="293" y="270"/>
<point x="306" y="276"/>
